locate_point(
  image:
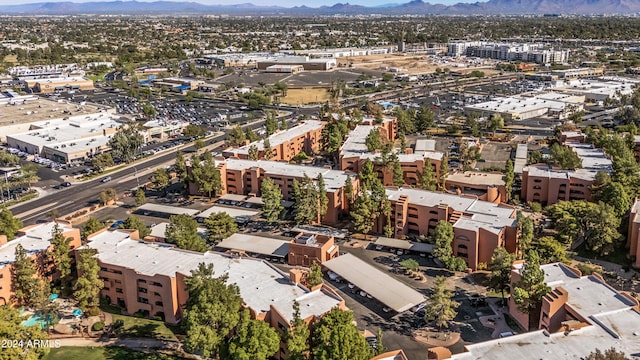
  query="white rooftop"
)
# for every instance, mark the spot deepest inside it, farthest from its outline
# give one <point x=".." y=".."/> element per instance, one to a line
<point x="166" y="209"/>
<point x="517" y="105"/>
<point x="614" y="323"/>
<point x="261" y="285"/>
<point x="159" y="231"/>
<point x="234" y="212"/>
<point x="355" y="146"/>
<point x="281" y="136"/>
<point x="256" y="244"/>
<point x="35" y="240"/>
<point x="333" y="179"/>
<point x="593" y="160"/>
<point x="477" y="178"/>
<point x="375" y="282"/>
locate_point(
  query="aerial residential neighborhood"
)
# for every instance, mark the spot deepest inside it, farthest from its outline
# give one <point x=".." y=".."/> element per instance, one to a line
<point x="361" y="181"/>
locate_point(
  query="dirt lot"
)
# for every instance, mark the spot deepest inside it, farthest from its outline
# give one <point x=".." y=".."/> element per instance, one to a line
<point x="410" y="64"/>
<point x="305" y="96"/>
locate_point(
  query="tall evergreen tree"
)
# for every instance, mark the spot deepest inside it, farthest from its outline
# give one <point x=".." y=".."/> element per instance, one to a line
<point x="13" y="332"/>
<point x="528" y="292"/>
<point x="336" y="337"/>
<point x="323" y="199"/>
<point x="297" y="337"/>
<point x="440" y="307"/>
<point x="500" y="266"/>
<point x="428" y="179"/>
<point x="9" y="225"/>
<point x="252" y="339"/>
<point x="183" y="232"/>
<point x="219" y="226"/>
<point x="509" y="176"/>
<point x="444" y="172"/>
<point x="88" y="286"/>
<point x="23" y="274"/>
<point x="272" y="200"/>
<point x="60" y="255"/>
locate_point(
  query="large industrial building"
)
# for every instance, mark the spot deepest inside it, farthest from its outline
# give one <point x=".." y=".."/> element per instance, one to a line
<point x="528" y="52"/>
<point x="521" y="108"/>
<point x="306" y="62"/>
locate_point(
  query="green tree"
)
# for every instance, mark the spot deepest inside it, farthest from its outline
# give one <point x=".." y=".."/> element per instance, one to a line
<point x="297" y="338"/>
<point x="9" y="225"/>
<point x="183" y="232"/>
<point x="102" y="161"/>
<point x="323" y="199"/>
<point x="8" y="159"/>
<point x="315" y="274"/>
<point x="564" y="157"/>
<point x="444" y="172"/>
<point x="160" y="178"/>
<point x="528" y="292"/>
<point x="134" y="223"/>
<point x="253" y="340"/>
<point x="336" y="338"/>
<point x="60" y="255"/>
<point x="236" y="136"/>
<point x="332" y="138"/>
<point x="23" y="274"/>
<point x="500" y="266"/>
<point x="107" y="195"/>
<point x="89" y="284"/>
<point x="141" y="198"/>
<point x="91" y="226"/>
<point x="410" y="264"/>
<point x="199" y="144"/>
<point x="149" y="111"/>
<point x="192" y="130"/>
<point x="362" y="213"/>
<point x="496" y="122"/>
<point x="272" y="200"/>
<point x="398" y="174"/>
<point x="250" y="135"/>
<point x="374" y="141"/>
<point x="207" y="176"/>
<point x="443" y="237"/>
<point x="181" y="165"/>
<point x="616" y="195"/>
<point x="427" y="180"/>
<point x="424" y="119"/>
<point x="253" y="152"/>
<point x="212" y="311"/>
<point x="509" y="177"/>
<point x="305" y="195"/>
<point x="220" y="226"/>
<point x="12" y="331"/>
<point x="271" y="123"/>
<point x="440" y="307"/>
<point x="267" y="151"/>
<point x="126" y="144"/>
<point x="367" y="175"/>
<point x="550" y="250"/>
<point x="380" y="349"/>
<point x="524" y="226"/>
<point x="406" y="120"/>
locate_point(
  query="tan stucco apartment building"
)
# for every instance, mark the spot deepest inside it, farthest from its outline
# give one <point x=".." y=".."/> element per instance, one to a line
<point x="479" y="226"/>
<point x="36" y="240"/>
<point x="148" y="278"/>
<point x="548" y="186"/>
<point x="244" y="177"/>
<point x="354" y="154"/>
<point x="285" y="144"/>
<point x="633" y="235"/>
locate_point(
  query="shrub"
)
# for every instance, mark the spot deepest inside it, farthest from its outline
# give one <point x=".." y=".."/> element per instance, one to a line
<point x="585" y="269"/>
<point x="456" y="264"/>
<point x="99" y="326"/>
<point x="535" y="206"/>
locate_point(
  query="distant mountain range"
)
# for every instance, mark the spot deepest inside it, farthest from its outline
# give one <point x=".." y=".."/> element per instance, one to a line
<point x="415" y="7"/>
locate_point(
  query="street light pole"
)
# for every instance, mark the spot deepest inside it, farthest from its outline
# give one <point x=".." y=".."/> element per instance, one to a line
<point x="136" y="174"/>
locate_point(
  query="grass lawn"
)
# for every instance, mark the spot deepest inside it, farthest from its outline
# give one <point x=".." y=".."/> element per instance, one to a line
<point x="618" y="256"/>
<point x="137" y="327"/>
<point x="104" y="353"/>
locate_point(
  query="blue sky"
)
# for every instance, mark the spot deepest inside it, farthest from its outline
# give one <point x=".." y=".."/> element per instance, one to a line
<point x="314" y="3"/>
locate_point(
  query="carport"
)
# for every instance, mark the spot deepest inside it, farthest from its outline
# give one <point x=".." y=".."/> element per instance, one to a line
<point x="165" y="210"/>
<point x="383" y="287"/>
<point x="256" y="245"/>
<point x="404" y="245"/>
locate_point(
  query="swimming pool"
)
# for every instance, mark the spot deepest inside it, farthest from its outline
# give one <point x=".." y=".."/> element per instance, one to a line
<point x="37" y="319"/>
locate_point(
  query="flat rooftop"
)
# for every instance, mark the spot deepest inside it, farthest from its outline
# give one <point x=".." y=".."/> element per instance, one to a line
<point x="35" y="240"/>
<point x="355" y="146"/>
<point x="256" y="244"/>
<point x="281" y="136"/>
<point x="261" y="284"/>
<point x="477" y="178"/>
<point x="517" y="105"/>
<point x="160" y="230"/>
<point x="404" y="244"/>
<point x="593" y="160"/>
<point x="375" y="282"/>
<point x="234" y="212"/>
<point x="166" y="209"/>
<point x="614" y="323"/>
<point x="334" y="179"/>
<point x="43" y="110"/>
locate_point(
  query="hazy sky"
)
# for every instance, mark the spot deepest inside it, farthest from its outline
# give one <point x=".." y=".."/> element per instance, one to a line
<point x="313" y="3"/>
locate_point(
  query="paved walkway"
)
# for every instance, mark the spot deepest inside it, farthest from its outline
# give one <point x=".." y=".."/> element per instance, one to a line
<point x="496" y="322"/>
<point x="132" y="343"/>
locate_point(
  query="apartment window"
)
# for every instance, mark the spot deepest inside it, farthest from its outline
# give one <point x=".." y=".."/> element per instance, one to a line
<point x="105" y="288"/>
<point x="143" y="300"/>
<point x="117" y="272"/>
<point x="154" y="283"/>
<point x="156" y="293"/>
<point x="159" y="303"/>
<point x="142" y="281"/>
<point x="537" y="181"/>
<point x="119" y="291"/>
<point x="103" y="269"/>
<point x="545" y="316"/>
<point x="117" y="281"/>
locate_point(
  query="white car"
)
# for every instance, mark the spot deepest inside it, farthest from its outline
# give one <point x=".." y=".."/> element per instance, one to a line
<point x="379" y="247"/>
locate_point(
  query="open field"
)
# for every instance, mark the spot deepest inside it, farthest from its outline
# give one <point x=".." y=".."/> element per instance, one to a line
<point x="305" y="96"/>
<point x="410" y="64"/>
<point x="103" y="353"/>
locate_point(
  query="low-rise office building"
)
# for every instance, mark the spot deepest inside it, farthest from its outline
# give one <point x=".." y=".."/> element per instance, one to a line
<point x="285" y="145"/>
<point x="36" y="240"/>
<point x="479" y="226"/>
<point x="547" y="186"/>
<point x="149" y="279"/>
<point x="522" y="108"/>
<point x="50" y="85"/>
<point x="307" y="63"/>
<point x="244" y="177"/>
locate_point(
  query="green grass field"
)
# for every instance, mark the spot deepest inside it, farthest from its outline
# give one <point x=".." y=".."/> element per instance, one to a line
<point x="104" y="353"/>
<point x="137" y="327"/>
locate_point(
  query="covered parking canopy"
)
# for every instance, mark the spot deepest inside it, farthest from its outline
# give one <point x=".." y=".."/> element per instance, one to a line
<point x="386" y="289"/>
<point x="405" y="245"/>
<point x="256" y="244"/>
<point x="165" y="209"/>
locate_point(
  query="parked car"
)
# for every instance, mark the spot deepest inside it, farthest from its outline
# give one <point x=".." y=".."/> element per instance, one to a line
<point x="107" y="179"/>
<point x="66" y="184"/>
<point x="117" y="224"/>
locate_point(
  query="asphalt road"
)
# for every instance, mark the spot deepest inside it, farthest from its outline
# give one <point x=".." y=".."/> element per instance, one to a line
<point x="78" y="196"/>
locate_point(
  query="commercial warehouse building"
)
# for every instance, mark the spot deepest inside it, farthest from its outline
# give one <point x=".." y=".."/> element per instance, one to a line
<point x="285" y="145"/>
<point x="306" y="62"/>
<point x="522" y="108"/>
<point x="149" y="278"/>
<point x="50" y="85"/>
<point x="70" y="139"/>
<point x="479" y="226"/>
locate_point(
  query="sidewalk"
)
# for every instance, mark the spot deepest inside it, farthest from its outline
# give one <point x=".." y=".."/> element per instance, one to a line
<point x="496" y="322"/>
